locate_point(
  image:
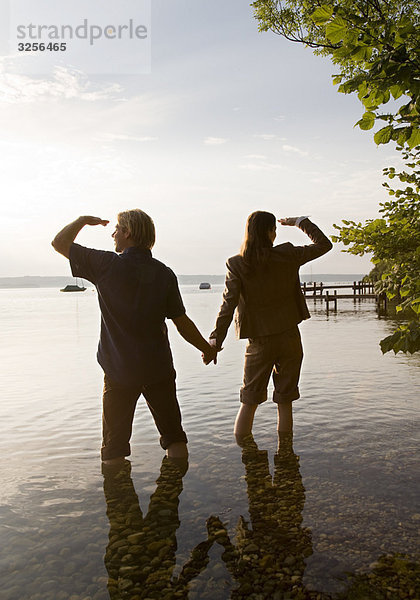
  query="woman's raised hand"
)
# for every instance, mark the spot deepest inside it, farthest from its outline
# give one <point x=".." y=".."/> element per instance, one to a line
<point x="288" y="221"/>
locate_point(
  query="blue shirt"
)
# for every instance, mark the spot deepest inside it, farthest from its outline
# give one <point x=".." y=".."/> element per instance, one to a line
<point x="136" y="294"/>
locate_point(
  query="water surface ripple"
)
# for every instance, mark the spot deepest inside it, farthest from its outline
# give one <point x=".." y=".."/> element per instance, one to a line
<point x="261" y="521"/>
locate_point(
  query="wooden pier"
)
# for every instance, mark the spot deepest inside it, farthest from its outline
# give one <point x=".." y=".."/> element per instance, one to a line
<point x="360" y="290"/>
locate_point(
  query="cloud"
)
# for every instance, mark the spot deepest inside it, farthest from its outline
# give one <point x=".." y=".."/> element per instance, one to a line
<point x="215" y="141"/>
<point x="66" y="84"/>
<point x="295" y="150"/>
<point x="126" y="123"/>
<point x="269" y="136"/>
<point x="262" y="165"/>
<point x="266" y="136"/>
<point x="115" y="137"/>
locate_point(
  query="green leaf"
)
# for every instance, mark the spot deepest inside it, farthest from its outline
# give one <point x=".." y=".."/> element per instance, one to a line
<point x="414" y="139"/>
<point x="367" y="121"/>
<point x="384" y="135"/>
<point x="402" y="134"/>
<point x="396" y="91"/>
<point x="336" y="30"/>
<point x="322" y="14"/>
<point x="359" y="53"/>
<point x="370" y="101"/>
<point x="362" y="90"/>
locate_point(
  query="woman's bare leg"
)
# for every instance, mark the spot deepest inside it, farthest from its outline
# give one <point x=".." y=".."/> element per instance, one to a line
<point x="285" y="417"/>
<point x="244" y="419"/>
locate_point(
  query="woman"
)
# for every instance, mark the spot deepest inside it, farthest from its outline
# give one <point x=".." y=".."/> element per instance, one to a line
<point x="262" y="283"/>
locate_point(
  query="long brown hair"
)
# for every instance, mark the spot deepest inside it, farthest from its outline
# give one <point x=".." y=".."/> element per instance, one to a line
<point x="256" y="246"/>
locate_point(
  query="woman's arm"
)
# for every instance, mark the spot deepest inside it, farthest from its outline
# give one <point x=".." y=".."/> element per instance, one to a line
<point x="230" y="302"/>
<point x="320" y="243"/>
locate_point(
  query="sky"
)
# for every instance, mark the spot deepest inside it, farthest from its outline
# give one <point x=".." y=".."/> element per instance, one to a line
<point x="202" y="123"/>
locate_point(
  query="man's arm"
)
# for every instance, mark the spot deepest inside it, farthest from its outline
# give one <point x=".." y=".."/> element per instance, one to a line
<point x="64" y="238"/>
<point x="190" y="333"/>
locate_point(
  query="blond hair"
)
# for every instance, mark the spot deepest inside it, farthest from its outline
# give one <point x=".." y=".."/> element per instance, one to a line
<point x="140" y="227"/>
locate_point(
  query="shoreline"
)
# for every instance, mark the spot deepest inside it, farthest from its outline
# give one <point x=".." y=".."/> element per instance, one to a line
<point x="51" y="281"/>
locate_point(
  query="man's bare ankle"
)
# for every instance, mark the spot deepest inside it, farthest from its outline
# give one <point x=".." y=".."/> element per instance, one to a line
<point x="119" y="460"/>
<point x="177" y="450"/>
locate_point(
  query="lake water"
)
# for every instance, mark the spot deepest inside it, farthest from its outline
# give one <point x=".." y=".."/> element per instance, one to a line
<point x="254" y="522"/>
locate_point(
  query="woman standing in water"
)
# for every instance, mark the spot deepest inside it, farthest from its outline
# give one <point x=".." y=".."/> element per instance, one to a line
<point x="262" y="283"/>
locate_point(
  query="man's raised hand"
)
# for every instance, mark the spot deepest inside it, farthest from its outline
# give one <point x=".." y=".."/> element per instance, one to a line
<point x="64" y="238"/>
<point x="89" y="220"/>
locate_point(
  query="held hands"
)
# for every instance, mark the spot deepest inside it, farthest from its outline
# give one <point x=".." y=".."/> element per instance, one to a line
<point x="211" y="354"/>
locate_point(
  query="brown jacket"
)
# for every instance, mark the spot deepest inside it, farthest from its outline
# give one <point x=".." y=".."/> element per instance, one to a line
<point x="269" y="300"/>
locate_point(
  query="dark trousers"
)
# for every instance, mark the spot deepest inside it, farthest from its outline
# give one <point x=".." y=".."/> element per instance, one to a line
<point x="119" y="404"/>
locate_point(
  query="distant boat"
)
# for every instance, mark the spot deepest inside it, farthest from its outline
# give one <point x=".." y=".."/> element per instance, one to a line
<point x="205" y="286"/>
<point x="73" y="287"/>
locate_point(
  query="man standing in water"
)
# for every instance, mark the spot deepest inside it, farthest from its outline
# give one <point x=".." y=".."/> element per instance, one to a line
<point x="136" y="294"/>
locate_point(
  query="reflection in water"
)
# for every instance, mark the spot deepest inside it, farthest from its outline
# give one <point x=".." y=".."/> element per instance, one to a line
<point x="359" y="504"/>
<point x="272" y="552"/>
<point x="266" y="560"/>
<point x="140" y="556"/>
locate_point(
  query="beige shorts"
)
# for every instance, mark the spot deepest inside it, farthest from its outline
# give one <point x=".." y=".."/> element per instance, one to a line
<point x="279" y="354"/>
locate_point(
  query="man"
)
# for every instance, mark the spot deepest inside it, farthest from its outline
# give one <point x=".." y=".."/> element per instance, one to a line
<point x="136" y="293"/>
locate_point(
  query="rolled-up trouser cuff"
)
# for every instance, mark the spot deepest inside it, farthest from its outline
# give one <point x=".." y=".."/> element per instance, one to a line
<point x="110" y="453"/>
<point x="279" y="398"/>
<point x="167" y="440"/>
<point x="253" y="397"/>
